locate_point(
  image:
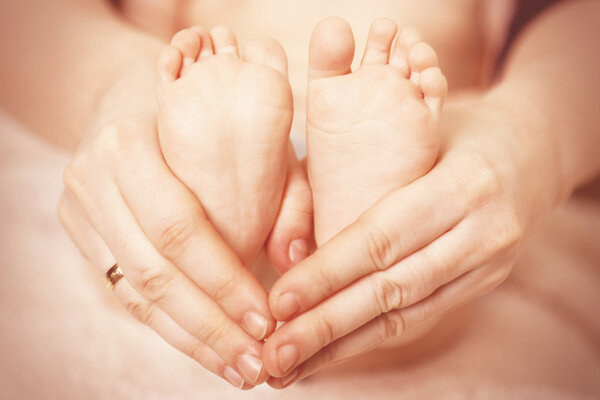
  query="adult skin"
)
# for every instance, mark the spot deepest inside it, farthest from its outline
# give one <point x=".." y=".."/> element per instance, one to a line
<point x="83" y="80"/>
<point x="507" y="159"/>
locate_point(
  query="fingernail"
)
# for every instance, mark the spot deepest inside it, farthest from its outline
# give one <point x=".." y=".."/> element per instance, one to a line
<point x="255" y="325"/>
<point x="298" y="250"/>
<point x="233" y="377"/>
<point x="288" y="305"/>
<point x="250" y="367"/>
<point x="287" y="356"/>
<point x="290" y="377"/>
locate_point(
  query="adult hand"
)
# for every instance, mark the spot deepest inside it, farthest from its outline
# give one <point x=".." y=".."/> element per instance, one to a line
<point x="122" y="203"/>
<point x="421" y="251"/>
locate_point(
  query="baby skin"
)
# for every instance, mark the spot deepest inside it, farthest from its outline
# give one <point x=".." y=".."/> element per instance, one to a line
<point x="372" y="130"/>
<point x="223" y="126"/>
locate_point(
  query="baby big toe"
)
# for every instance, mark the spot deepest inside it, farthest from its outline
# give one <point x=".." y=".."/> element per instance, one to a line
<point x="420" y="57"/>
<point x="331" y="49"/>
<point x="379" y="42"/>
<point x="224" y="41"/>
<point x="267" y="52"/>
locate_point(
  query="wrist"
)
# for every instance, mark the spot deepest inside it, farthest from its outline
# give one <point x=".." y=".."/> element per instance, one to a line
<point x="533" y="149"/>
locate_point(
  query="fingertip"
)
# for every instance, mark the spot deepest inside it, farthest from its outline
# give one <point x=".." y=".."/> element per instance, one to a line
<point x="256" y="325"/>
<point x="270" y="363"/>
<point x="275" y="383"/>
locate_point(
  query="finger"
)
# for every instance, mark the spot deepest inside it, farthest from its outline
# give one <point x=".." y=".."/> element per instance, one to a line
<point x="160" y="282"/>
<point x="175" y="223"/>
<point x="96" y="252"/>
<point x="399" y="322"/>
<point x="291" y="239"/>
<point x="406" y="283"/>
<point x="398" y="225"/>
<point x="151" y="315"/>
<point x="81" y="232"/>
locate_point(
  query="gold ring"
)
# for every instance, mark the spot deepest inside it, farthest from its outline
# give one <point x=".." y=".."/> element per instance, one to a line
<point x="113" y="275"/>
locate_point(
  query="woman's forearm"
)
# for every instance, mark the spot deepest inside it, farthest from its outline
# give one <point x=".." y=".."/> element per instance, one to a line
<point x="60" y="58"/>
<point x="551" y="82"/>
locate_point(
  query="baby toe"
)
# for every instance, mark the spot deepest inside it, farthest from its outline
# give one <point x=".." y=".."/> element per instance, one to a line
<point x="379" y="42"/>
<point x="224" y="41"/>
<point x="434" y="87"/>
<point x="206" y="48"/>
<point x="168" y="65"/>
<point x="420" y="57"/>
<point x="188" y="42"/>
<point x="404" y="42"/>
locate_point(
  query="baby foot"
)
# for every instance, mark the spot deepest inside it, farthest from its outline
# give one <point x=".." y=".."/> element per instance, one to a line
<point x="372" y="130"/>
<point x="223" y="125"/>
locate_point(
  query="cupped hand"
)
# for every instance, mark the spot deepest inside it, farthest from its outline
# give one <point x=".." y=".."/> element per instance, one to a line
<point x="122" y="204"/>
<point x="421" y="251"/>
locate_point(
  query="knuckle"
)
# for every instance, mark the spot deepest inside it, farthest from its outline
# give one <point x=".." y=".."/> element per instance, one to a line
<point x="194" y="350"/>
<point x="391" y="325"/>
<point x="227" y="288"/>
<point x="155" y="283"/>
<point x="507" y="234"/>
<point x="499" y="275"/>
<point x="110" y="140"/>
<point x="326" y="332"/>
<point x="513" y="231"/>
<point x="328" y="283"/>
<point x="175" y="237"/>
<point x="479" y="177"/>
<point x="379" y="247"/>
<point x="329" y="354"/>
<point x="487" y="182"/>
<point x="210" y="333"/>
<point x="388" y="294"/>
<point x="142" y="311"/>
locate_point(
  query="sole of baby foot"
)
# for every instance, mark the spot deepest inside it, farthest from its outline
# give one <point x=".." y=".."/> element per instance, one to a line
<point x="224" y="121"/>
<point x="372" y="130"/>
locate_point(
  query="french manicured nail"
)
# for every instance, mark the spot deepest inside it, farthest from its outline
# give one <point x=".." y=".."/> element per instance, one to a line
<point x="287" y="356"/>
<point x="298" y="250"/>
<point x="288" y="305"/>
<point x="255" y="325"/>
<point x="233" y="377"/>
<point x="289" y="377"/>
<point x="250" y="367"/>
